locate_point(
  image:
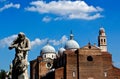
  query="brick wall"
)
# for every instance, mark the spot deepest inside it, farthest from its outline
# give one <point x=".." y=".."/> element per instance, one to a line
<point x="59" y="73"/>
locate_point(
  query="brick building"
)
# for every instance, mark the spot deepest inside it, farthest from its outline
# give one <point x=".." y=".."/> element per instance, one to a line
<point x="75" y="62"/>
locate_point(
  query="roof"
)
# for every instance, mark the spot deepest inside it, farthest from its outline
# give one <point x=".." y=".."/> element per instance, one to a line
<point x="89" y="46"/>
<point x="48" y="49"/>
<point x="71" y="44"/>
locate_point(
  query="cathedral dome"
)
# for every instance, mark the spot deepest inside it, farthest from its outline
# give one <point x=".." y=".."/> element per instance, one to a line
<point x="48" y="49"/>
<point x="71" y="44"/>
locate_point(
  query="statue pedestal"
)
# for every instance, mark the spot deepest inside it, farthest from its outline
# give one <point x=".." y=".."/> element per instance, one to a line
<point x="19" y="70"/>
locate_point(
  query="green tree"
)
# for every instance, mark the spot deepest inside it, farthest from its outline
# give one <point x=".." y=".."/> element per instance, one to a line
<point x="2" y="74"/>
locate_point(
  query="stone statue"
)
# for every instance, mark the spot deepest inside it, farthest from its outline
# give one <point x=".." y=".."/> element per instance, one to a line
<point x="20" y="62"/>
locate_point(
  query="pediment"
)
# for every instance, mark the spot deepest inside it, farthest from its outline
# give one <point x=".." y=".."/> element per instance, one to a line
<point x="89" y="46"/>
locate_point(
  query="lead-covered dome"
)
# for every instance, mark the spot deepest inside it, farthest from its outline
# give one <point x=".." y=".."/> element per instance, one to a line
<point x="71" y="44"/>
<point x="61" y="50"/>
<point x="48" y="49"/>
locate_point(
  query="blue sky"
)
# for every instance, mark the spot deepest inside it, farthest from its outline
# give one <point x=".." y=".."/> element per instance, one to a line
<point x="50" y="20"/>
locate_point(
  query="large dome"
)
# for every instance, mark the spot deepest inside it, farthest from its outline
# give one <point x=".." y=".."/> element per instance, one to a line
<point x="48" y="49"/>
<point x="71" y="44"/>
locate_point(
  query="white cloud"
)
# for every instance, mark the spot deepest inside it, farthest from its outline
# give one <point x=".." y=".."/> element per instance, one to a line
<point x="6" y="41"/>
<point x="85" y="16"/>
<point x="59" y="42"/>
<point x="10" y="5"/>
<point x="63" y="39"/>
<point x="68" y="9"/>
<point x="46" y="19"/>
<point x="38" y="42"/>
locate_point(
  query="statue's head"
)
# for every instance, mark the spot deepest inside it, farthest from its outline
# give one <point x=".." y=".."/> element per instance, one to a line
<point x="21" y="36"/>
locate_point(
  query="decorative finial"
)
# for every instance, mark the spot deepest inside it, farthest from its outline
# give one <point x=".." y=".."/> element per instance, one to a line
<point x="71" y="35"/>
<point x="89" y="45"/>
<point x="71" y="32"/>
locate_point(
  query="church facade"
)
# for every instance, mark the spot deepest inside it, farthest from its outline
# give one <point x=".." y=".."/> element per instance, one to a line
<point x="75" y="62"/>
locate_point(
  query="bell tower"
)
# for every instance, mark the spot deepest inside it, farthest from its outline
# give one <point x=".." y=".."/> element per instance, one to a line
<point x="102" y="40"/>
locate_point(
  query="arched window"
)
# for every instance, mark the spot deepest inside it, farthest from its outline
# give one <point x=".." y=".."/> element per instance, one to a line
<point x="52" y="56"/>
<point x="45" y="56"/>
<point x="102" y="41"/>
<point x="105" y="74"/>
<point x="73" y="73"/>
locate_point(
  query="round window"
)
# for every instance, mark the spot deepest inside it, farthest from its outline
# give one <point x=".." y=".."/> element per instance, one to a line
<point x="90" y="58"/>
<point x="49" y="65"/>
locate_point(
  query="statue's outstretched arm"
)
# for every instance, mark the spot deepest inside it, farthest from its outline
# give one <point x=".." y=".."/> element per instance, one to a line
<point x="13" y="44"/>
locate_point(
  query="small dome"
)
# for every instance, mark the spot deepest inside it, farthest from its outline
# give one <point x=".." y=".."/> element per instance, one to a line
<point x="61" y="50"/>
<point x="102" y="30"/>
<point x="71" y="44"/>
<point x="48" y="49"/>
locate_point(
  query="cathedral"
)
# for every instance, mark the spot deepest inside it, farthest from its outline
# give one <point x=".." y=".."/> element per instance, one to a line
<point x="75" y="62"/>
